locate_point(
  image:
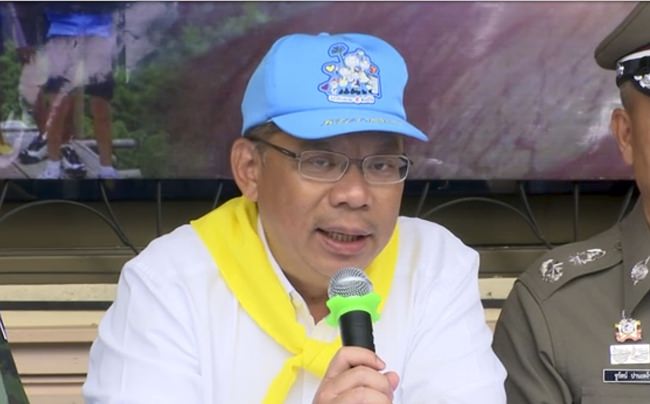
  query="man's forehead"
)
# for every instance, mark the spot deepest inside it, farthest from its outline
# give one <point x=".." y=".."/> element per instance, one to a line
<point x="379" y="140"/>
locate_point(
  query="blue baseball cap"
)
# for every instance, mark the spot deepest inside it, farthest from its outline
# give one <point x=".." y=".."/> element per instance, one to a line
<point x="318" y="86"/>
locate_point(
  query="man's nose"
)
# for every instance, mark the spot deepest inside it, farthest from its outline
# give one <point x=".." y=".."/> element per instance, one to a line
<point x="352" y="189"/>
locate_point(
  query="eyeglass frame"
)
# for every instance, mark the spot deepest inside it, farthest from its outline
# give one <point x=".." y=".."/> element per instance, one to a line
<point x="359" y="162"/>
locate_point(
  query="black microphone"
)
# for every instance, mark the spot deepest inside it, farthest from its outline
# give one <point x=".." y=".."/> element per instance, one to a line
<point x="353" y="306"/>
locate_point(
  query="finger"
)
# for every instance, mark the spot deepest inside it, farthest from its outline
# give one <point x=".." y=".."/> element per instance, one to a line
<point x="349" y="357"/>
<point x="363" y="395"/>
<point x="393" y="379"/>
<point x="361" y="376"/>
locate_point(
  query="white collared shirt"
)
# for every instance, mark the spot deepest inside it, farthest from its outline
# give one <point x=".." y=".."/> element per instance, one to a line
<point x="176" y="334"/>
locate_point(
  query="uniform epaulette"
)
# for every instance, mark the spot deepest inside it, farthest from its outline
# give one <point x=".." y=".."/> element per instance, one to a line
<point x="11" y="389"/>
<point x="562" y="264"/>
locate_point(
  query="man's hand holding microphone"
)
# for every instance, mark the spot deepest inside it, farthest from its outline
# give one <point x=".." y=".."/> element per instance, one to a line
<point x="355" y="373"/>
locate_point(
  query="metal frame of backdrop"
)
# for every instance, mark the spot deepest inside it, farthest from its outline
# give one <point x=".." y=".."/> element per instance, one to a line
<point x="421" y="190"/>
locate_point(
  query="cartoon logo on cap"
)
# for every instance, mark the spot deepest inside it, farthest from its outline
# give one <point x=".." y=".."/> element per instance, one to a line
<point x="353" y="78"/>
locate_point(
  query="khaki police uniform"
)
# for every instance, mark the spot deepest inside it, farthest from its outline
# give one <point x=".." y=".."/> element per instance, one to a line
<point x="556" y="335"/>
<point x="576" y="325"/>
<point x="11" y="389"/>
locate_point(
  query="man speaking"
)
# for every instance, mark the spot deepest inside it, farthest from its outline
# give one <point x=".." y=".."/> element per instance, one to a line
<point x="231" y="308"/>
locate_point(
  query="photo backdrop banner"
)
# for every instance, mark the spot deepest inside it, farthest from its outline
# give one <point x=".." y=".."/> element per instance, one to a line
<point x="504" y="90"/>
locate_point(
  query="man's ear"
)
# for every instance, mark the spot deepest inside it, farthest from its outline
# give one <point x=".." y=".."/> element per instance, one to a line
<point x="621" y="127"/>
<point x="246" y="166"/>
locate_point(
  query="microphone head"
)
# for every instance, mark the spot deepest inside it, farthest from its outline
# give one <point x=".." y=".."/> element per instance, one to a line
<point x="349" y="282"/>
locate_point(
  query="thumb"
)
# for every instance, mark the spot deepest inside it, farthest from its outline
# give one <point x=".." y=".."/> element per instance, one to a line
<point x="393" y="379"/>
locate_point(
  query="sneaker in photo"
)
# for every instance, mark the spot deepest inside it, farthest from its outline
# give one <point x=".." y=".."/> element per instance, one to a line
<point x="107" y="173"/>
<point x="35" y="152"/>
<point x="71" y="163"/>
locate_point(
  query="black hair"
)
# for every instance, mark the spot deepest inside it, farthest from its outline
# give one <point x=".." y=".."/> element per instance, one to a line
<point x="262" y="131"/>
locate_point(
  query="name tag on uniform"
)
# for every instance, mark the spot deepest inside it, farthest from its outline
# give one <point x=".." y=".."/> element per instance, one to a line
<point x="640" y="376"/>
<point x="629" y="354"/>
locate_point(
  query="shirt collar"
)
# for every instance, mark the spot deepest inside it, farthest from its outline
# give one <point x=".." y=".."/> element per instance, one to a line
<point x="322" y="330"/>
<point x="288" y="287"/>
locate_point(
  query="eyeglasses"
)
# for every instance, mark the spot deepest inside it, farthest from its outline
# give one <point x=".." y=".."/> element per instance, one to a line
<point x="328" y="166"/>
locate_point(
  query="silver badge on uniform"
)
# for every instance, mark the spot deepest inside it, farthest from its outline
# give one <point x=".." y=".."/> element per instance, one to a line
<point x="628" y="329"/>
<point x="629" y="354"/>
<point x="587" y="256"/>
<point x="551" y="270"/>
<point x="639" y="271"/>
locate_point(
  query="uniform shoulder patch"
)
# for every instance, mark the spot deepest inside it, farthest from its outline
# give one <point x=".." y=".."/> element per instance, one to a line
<point x="562" y="264"/>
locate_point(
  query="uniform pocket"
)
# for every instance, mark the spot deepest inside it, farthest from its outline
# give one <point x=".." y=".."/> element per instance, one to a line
<point x="616" y="394"/>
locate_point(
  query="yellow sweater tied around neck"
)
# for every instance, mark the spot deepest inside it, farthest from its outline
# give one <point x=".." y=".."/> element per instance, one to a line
<point x="230" y="235"/>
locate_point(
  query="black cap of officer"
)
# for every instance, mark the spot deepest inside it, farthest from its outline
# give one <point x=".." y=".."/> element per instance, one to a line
<point x="627" y="49"/>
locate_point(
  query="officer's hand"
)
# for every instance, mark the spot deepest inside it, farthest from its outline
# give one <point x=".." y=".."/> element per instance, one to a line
<point x="354" y="376"/>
